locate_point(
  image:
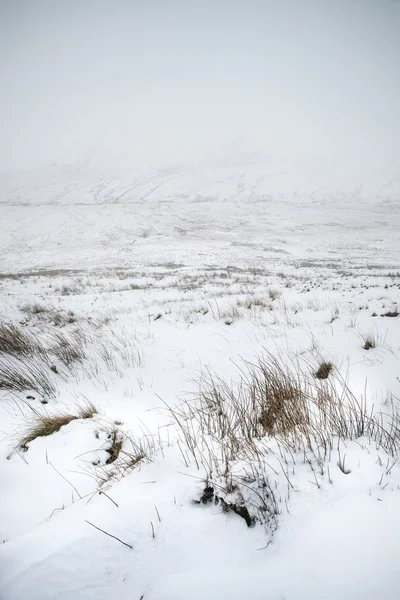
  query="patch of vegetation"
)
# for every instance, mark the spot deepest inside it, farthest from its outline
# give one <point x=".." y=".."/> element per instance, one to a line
<point x="275" y="410"/>
<point x="68" y="348"/>
<point x="15" y="341"/>
<point x="49" y="314"/>
<point x="324" y="370"/>
<point x="87" y="410"/>
<point x="33" y="309"/>
<point x="254" y="301"/>
<point x="369" y="342"/>
<point x="22" y="375"/>
<point x="43" y="425"/>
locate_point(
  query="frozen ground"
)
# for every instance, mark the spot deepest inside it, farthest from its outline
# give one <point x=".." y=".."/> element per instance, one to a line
<point x="203" y="287"/>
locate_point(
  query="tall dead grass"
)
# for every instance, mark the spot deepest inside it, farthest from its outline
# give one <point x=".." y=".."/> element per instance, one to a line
<point x="274" y="407"/>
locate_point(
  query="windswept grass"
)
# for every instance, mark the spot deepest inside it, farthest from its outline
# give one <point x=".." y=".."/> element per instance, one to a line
<point x="42" y="425"/>
<point x="68" y="349"/>
<point x="48" y="314"/>
<point x="14" y="340"/>
<point x="23" y="374"/>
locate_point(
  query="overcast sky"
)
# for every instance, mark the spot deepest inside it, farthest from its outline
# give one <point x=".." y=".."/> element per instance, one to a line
<point x="164" y="80"/>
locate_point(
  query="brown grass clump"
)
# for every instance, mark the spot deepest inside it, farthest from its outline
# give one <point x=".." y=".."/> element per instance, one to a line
<point x="44" y="425"/>
<point x="324" y="370"/>
<point x="274" y="408"/>
<point x="87" y="411"/>
<point x="369" y="343"/>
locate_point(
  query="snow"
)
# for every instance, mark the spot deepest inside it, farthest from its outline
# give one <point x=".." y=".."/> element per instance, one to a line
<point x="185" y="192"/>
<point x="336" y="540"/>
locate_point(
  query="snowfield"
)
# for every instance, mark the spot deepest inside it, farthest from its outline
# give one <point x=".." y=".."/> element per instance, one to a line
<point x="245" y="210"/>
<point x="156" y="367"/>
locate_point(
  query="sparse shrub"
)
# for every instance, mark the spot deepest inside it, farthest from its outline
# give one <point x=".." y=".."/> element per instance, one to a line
<point x="66" y="290"/>
<point x="229" y="315"/>
<point x="125" y="453"/>
<point x="254" y="301"/>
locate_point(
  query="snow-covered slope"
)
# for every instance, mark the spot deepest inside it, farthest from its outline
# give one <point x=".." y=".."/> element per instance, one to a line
<point x="253" y="210"/>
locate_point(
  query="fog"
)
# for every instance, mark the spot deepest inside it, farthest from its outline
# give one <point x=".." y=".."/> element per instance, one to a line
<point x="157" y="82"/>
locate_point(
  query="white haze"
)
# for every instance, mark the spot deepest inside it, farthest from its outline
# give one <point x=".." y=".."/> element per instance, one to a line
<point x="157" y="82"/>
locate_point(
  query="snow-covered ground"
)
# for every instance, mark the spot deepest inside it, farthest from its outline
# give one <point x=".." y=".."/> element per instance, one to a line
<point x="147" y="338"/>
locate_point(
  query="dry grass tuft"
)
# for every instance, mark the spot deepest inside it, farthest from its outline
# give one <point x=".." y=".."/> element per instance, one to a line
<point x="68" y="349"/>
<point x="324" y="370"/>
<point x="17" y="342"/>
<point x="43" y="425"/>
<point x="22" y="374"/>
<point x="369" y="342"/>
<point x="278" y="401"/>
<point x="33" y="309"/>
<point x="87" y="411"/>
<point x="49" y="314"/>
<point x="275" y="409"/>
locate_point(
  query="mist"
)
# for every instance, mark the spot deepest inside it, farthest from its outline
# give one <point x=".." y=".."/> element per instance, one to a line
<point x="156" y="83"/>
